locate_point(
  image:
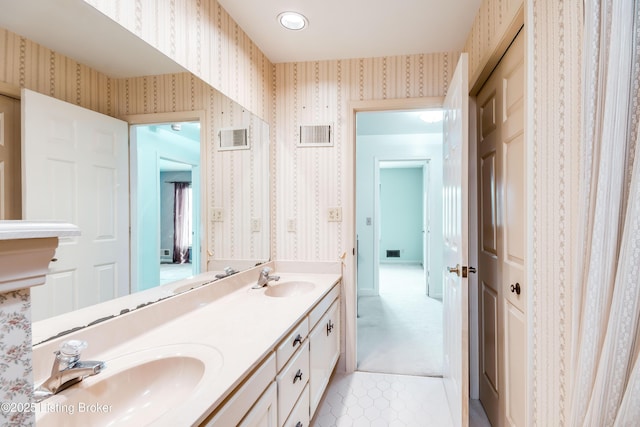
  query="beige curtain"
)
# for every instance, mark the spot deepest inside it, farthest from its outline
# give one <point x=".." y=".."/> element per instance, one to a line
<point x="606" y="335"/>
<point x="181" y="223"/>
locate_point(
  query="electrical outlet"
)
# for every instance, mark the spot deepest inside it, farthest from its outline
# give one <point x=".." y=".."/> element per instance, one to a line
<point x="335" y="214"/>
<point x="255" y="225"/>
<point x="217" y="215"/>
<point x="291" y="225"/>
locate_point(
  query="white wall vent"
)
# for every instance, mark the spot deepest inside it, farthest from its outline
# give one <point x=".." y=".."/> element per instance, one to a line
<point x="316" y="136"/>
<point x="233" y="139"/>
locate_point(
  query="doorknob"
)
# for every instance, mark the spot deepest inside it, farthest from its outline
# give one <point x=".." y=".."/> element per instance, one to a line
<point x="464" y="271"/>
<point x="516" y="288"/>
<point x="455" y="269"/>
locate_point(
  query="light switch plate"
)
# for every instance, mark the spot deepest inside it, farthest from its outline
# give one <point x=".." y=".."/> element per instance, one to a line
<point x="291" y="225"/>
<point x="217" y="215"/>
<point x="255" y="225"/>
<point x="335" y="214"/>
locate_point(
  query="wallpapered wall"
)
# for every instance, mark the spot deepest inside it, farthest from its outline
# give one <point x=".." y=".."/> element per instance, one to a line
<point x="309" y="181"/>
<point x="553" y="31"/>
<point x="27" y="64"/>
<point x="238" y="187"/>
<point x="201" y="36"/>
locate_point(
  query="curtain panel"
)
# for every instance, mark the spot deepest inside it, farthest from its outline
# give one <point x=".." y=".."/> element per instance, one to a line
<point x="181" y="223"/>
<point x="606" y="312"/>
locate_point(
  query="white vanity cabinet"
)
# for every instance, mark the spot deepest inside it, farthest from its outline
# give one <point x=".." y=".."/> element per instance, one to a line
<point x="284" y="391"/>
<point x="265" y="412"/>
<point x="292" y="382"/>
<point x="253" y="404"/>
<point x="324" y="344"/>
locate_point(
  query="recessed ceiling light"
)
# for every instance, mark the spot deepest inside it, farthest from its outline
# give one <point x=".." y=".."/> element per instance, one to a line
<point x="292" y="20"/>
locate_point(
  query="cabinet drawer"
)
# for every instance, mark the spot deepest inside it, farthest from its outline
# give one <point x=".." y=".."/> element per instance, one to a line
<point x="242" y="399"/>
<point x="291" y="381"/>
<point x="291" y="343"/>
<point x="300" y="414"/>
<point x="323" y="306"/>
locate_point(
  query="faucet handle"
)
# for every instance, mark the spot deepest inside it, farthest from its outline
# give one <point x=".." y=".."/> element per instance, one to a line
<point x="71" y="349"/>
<point x="266" y="271"/>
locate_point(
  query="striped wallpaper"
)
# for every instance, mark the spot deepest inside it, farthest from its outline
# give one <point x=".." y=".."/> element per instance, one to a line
<point x="309" y="181"/>
<point x="202" y="37"/>
<point x="490" y="24"/>
<point x="237" y="180"/>
<point x="553" y="60"/>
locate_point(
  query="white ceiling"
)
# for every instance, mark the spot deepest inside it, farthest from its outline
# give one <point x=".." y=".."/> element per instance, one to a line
<point x="337" y="29"/>
<point x="340" y="29"/>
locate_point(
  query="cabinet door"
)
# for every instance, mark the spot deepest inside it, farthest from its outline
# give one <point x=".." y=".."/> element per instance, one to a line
<point x="324" y="342"/>
<point x="264" y="412"/>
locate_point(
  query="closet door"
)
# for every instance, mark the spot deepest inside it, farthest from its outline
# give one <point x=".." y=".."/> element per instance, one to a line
<point x="511" y="201"/>
<point x="502" y="241"/>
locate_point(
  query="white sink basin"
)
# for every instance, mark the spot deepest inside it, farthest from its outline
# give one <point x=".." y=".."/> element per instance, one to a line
<point x="135" y="389"/>
<point x="289" y="289"/>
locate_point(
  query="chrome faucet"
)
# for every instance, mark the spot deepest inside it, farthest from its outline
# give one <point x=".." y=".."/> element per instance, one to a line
<point x="265" y="278"/>
<point x="67" y="370"/>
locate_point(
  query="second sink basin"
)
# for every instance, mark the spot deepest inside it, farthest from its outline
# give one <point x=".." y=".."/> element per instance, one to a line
<point x="289" y="289"/>
<point x="136" y="389"/>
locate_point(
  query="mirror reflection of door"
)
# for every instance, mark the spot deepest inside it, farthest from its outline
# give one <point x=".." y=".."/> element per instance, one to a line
<point x="165" y="188"/>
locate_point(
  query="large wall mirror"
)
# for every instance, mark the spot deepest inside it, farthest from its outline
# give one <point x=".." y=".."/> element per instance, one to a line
<point x="214" y="158"/>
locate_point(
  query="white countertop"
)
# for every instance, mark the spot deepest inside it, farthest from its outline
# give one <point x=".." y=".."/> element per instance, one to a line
<point x="13" y="230"/>
<point x="241" y="323"/>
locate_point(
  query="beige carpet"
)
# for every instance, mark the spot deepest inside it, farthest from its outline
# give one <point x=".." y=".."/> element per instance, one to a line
<point x="400" y="331"/>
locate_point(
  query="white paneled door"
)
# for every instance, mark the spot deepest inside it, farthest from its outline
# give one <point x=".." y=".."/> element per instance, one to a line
<point x="75" y="169"/>
<point x="456" y="253"/>
<point x="502" y="241"/>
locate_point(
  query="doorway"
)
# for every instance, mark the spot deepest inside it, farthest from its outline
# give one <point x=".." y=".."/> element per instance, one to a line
<point x="398" y="165"/>
<point x="176" y="221"/>
<point x="165" y="202"/>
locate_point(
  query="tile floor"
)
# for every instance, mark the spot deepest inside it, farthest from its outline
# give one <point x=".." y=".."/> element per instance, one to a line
<point x="380" y="400"/>
<point x="400" y="333"/>
<point x="370" y="399"/>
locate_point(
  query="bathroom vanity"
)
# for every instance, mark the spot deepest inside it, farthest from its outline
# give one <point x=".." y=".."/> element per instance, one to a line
<point x="287" y="387"/>
<point x="220" y="354"/>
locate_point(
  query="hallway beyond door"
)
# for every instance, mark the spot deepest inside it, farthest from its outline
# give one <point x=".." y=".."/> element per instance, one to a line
<point x="400" y="331"/>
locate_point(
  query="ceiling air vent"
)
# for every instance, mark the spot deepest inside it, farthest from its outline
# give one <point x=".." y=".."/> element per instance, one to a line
<point x="315" y="136"/>
<point x="233" y="139"/>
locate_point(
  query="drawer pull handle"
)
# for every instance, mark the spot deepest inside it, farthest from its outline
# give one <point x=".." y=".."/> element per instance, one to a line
<point x="330" y="326"/>
<point x="298" y="376"/>
<point x="298" y="340"/>
<point x="299" y="424"/>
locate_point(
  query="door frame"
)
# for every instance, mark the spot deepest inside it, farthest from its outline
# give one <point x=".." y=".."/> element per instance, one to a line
<point x="377" y="220"/>
<point x="179" y="116"/>
<point x="349" y="278"/>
